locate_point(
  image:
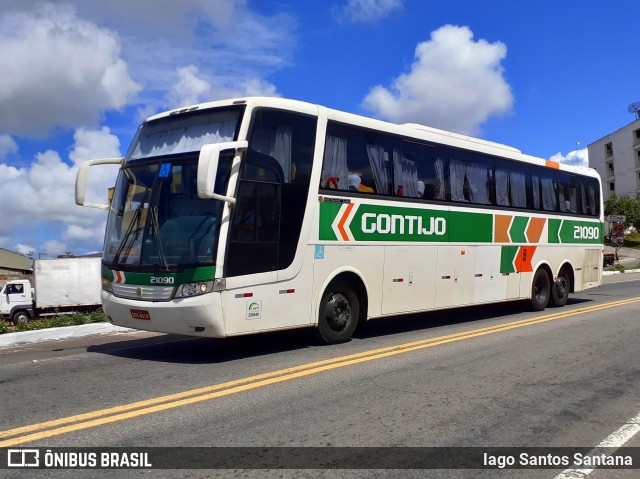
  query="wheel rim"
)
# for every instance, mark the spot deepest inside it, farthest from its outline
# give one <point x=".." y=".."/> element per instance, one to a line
<point x="338" y="312"/>
<point x="540" y="289"/>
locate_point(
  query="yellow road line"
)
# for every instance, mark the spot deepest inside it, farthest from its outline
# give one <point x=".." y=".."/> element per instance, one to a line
<point x="65" y="425"/>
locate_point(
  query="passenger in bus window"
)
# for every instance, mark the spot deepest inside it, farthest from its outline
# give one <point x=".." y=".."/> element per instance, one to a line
<point x="353" y="182"/>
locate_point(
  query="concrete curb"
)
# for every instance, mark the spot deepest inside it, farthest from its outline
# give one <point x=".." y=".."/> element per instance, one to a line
<point x="55" y="334"/>
<point x="626" y="271"/>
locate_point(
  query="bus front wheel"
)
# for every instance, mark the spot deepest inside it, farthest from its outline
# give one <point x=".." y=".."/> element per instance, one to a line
<point x="339" y="312"/>
<point x="540" y="290"/>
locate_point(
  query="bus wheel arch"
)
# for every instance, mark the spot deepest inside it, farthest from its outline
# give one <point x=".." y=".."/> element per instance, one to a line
<point x="541" y="288"/>
<point x="342" y="307"/>
<point x="563" y="285"/>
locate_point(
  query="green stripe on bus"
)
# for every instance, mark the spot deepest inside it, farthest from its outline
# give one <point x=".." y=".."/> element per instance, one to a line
<point x="378" y="223"/>
<point x="390" y="223"/>
<point x="328" y="213"/>
<point x="199" y="273"/>
<point x="507" y="255"/>
<point x="517" y="230"/>
<point x="583" y="232"/>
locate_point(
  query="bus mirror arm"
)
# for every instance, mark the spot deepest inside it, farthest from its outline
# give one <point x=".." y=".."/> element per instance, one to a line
<point x="208" y="168"/>
<point x="81" y="180"/>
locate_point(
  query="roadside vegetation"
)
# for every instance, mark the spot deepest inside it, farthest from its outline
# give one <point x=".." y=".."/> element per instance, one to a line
<point x="54" y="322"/>
<point x="631" y="240"/>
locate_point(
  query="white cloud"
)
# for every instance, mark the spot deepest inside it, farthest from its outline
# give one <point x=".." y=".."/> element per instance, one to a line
<point x="25" y="250"/>
<point x="367" y="11"/>
<point x="190" y="88"/>
<point x="58" y="71"/>
<point x="7" y="146"/>
<point x="41" y="197"/>
<point x="234" y="47"/>
<point x="574" y="158"/>
<point x="455" y="83"/>
<point x="92" y="144"/>
<point x="141" y="57"/>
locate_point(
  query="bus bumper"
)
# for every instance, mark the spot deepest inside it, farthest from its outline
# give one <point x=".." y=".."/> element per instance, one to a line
<point x="193" y="316"/>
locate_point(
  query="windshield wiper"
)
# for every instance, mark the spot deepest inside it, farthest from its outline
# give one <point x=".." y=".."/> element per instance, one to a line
<point x="156" y="232"/>
<point x="134" y="220"/>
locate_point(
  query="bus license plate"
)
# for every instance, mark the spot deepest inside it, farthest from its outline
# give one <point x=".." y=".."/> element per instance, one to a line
<point x="140" y="314"/>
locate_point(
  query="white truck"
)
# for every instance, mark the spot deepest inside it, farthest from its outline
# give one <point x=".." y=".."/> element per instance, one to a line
<point x="59" y="286"/>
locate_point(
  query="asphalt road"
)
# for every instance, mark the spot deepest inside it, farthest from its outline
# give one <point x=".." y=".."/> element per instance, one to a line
<point x="488" y="376"/>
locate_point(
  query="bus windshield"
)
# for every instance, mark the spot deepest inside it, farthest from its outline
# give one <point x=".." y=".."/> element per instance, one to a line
<point x="158" y="222"/>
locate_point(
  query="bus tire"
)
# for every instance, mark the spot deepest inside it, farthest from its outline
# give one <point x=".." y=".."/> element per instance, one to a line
<point x="540" y="290"/>
<point x="20" y="317"/>
<point x="339" y="312"/>
<point x="560" y="290"/>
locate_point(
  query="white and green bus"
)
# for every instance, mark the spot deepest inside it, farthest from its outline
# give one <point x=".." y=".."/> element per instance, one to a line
<point x="261" y="214"/>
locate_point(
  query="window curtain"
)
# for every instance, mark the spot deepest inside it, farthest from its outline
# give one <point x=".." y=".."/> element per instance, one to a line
<point x="405" y="176"/>
<point x="583" y="200"/>
<point x="563" y="204"/>
<point x="592" y="200"/>
<point x="535" y="183"/>
<point x="440" y="193"/>
<point x="549" y="200"/>
<point x="518" y="185"/>
<point x="478" y="177"/>
<point x="502" y="187"/>
<point x="276" y="144"/>
<point x="181" y="140"/>
<point x="456" y="179"/>
<point x="379" y="161"/>
<point x="511" y="188"/>
<point x="334" y="168"/>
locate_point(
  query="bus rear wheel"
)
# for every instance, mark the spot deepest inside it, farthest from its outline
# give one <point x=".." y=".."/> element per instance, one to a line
<point x="560" y="290"/>
<point x="339" y="312"/>
<point x="540" y="290"/>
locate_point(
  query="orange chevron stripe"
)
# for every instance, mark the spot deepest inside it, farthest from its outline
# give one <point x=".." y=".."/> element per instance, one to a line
<point x="523" y="259"/>
<point x="534" y="230"/>
<point x="501" y="229"/>
<point x="343" y="220"/>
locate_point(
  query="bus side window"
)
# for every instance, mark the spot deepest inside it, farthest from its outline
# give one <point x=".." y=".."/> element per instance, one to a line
<point x="356" y="160"/>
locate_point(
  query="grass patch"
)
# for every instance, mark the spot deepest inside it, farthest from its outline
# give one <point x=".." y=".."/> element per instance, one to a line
<point x="55" y="322"/>
<point x="616" y="267"/>
<point x="632" y="240"/>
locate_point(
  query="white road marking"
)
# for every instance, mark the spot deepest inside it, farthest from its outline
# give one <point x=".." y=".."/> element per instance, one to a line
<point x="612" y="442"/>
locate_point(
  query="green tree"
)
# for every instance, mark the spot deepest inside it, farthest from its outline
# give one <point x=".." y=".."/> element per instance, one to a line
<point x="624" y="205"/>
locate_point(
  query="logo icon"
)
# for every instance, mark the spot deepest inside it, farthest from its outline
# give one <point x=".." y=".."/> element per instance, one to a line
<point x="139" y="292"/>
<point x="254" y="309"/>
<point x="23" y="458"/>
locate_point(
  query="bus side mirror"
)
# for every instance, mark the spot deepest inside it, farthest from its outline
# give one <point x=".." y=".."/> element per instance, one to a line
<point x="208" y="168"/>
<point x="81" y="180"/>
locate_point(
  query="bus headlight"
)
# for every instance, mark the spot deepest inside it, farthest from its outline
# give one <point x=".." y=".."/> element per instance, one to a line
<point x="194" y="289"/>
<point x="106" y="285"/>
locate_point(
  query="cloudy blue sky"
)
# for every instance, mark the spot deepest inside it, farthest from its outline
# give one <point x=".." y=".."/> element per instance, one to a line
<point x="548" y="77"/>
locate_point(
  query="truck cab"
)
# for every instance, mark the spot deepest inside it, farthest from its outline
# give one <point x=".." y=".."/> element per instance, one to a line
<point x="16" y="301"/>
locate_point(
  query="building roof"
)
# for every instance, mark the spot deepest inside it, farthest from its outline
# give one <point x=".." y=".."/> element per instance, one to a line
<point x="634" y="122"/>
<point x="15" y="261"/>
